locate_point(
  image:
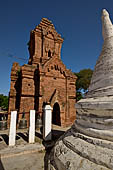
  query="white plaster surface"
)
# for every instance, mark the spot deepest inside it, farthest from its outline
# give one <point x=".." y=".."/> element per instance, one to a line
<point x="107" y="27"/>
<point x="32" y="127"/>
<point x="89" y="142"/>
<point x="47" y="123"/>
<point x="12" y="131"/>
<point x="102" y="79"/>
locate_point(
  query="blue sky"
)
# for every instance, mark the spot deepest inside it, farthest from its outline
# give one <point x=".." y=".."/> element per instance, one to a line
<point x="78" y="21"/>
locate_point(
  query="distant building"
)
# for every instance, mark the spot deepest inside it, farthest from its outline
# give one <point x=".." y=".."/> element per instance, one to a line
<point x="45" y="78"/>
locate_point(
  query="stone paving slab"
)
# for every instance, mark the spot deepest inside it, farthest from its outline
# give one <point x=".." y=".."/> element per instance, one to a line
<point x="31" y="161"/>
<point x="22" y="146"/>
<point x="25" y="156"/>
<point x="21" y="149"/>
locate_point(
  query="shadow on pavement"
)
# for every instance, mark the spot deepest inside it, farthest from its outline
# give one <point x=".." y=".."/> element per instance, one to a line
<point x="38" y="135"/>
<point x="1" y="140"/>
<point x="17" y="137"/>
<point x="5" y="138"/>
<point x="25" y="137"/>
<point x="56" y="134"/>
<point x="50" y="151"/>
<point x="1" y="165"/>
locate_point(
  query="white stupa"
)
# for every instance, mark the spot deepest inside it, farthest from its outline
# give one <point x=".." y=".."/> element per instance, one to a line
<point x="102" y="79"/>
<point x="88" y="145"/>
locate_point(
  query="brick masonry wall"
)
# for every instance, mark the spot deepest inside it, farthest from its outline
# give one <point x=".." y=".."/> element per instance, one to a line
<point x="45" y="78"/>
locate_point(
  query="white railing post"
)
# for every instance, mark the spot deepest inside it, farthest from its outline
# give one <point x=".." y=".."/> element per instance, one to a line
<point x="47" y="123"/>
<point x="12" y="131"/>
<point x="32" y="127"/>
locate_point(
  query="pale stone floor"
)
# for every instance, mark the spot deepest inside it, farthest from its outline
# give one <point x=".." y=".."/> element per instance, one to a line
<point x="31" y="161"/>
<point x="25" y="156"/>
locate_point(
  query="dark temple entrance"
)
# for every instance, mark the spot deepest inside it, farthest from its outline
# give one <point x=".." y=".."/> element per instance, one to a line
<point x="56" y="115"/>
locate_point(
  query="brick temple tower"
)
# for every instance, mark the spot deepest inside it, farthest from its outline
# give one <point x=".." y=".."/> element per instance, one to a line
<point x="45" y="78"/>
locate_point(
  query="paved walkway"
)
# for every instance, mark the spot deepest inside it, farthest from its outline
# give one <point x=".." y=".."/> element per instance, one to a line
<point x="21" y="149"/>
<point x="25" y="156"/>
<point x="31" y="161"/>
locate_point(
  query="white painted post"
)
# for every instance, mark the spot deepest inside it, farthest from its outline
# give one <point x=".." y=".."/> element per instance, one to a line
<point x="47" y="123"/>
<point x="12" y="131"/>
<point x="32" y="127"/>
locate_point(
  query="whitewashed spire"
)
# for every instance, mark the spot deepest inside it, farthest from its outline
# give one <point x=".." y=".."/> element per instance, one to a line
<point x="90" y="139"/>
<point x="107" y="26"/>
<point x="102" y="79"/>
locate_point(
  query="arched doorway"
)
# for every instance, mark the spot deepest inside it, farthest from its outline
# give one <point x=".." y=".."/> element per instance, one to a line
<point x="56" y="114"/>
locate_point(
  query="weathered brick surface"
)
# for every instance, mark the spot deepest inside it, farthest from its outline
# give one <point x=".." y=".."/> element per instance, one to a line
<point x="45" y="78"/>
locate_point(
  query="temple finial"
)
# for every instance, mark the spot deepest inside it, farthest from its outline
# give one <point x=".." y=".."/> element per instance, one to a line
<point x="105" y="13"/>
<point x="107" y="27"/>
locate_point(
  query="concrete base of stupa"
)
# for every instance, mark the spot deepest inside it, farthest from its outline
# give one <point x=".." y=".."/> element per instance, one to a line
<point x="95" y="117"/>
<point x="89" y="142"/>
<point x="76" y="151"/>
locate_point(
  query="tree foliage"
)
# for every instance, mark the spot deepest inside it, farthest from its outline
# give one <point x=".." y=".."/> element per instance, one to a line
<point x="4" y="101"/>
<point x="83" y="82"/>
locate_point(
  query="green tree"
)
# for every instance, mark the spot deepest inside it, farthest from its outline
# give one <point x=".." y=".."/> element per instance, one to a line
<point x="83" y="82"/>
<point x="4" y="101"/>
